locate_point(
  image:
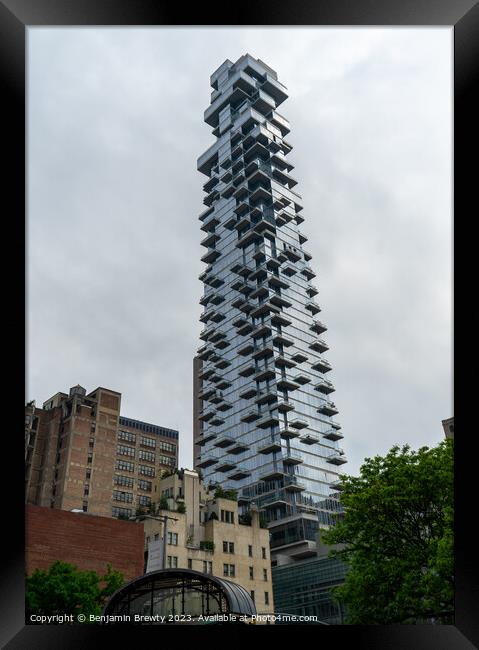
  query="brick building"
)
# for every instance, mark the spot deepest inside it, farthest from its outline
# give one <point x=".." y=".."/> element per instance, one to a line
<point x="81" y="454"/>
<point x="87" y="541"/>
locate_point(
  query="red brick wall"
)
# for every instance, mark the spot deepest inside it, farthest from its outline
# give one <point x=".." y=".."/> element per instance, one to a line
<point x="87" y="541"/>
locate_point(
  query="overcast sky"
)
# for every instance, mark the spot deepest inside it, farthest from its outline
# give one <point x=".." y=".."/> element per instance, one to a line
<point x="115" y="125"/>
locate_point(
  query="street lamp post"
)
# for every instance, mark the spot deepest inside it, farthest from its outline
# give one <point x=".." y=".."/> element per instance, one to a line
<point x="164" y="521"/>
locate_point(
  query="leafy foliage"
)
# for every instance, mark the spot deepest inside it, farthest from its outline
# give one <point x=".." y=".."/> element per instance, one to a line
<point x="220" y="493"/>
<point x="398" y="534"/>
<point x="64" y="589"/>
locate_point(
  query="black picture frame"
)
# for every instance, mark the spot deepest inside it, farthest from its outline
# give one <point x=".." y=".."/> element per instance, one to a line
<point x="15" y="17"/>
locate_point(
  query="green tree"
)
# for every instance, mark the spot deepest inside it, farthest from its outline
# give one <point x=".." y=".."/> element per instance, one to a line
<point x="397" y="529"/>
<point x="64" y="589"/>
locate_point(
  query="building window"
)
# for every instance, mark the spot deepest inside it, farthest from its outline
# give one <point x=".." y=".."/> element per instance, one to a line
<point x="89" y="460"/>
<point x="85" y="506"/>
<point x="207" y="566"/>
<point x="263" y="552"/>
<point x="251" y="573"/>
<point x="125" y="481"/>
<point x="125" y="466"/>
<point x="167" y="446"/>
<point x="227" y="516"/>
<point x="149" y="456"/>
<point x="157" y="537"/>
<point x="173" y="539"/>
<point x="122" y="450"/>
<point x="229" y="570"/>
<point x="148" y="442"/>
<point x="265" y="575"/>
<point x="250" y="550"/>
<point x="252" y="595"/>
<point x="127" y="436"/>
<point x="92" y="443"/>
<point x="190" y="564"/>
<point x="266" y="598"/>
<point x="166" y="460"/>
<point x="228" y="547"/>
<point x="88" y="474"/>
<point x="144" y="500"/>
<point x="126" y="497"/>
<point x="146" y="471"/>
<point x="93" y="427"/>
<point x="123" y="512"/>
<point x="172" y="562"/>
<point x="86" y="491"/>
<point x="144" y="485"/>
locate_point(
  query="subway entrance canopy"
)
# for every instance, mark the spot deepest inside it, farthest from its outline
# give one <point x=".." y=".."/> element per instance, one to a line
<point x="179" y="596"/>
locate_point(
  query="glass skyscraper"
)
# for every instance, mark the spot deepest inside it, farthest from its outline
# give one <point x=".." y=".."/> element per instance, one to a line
<point x="267" y="422"/>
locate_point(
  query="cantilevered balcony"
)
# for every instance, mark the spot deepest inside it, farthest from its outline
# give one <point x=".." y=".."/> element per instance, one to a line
<point x="292" y="458"/>
<point x="264" y="374"/>
<point x="318" y="327"/>
<point x="246" y="348"/>
<point x="299" y="423"/>
<point x="245" y="329"/>
<point x="322" y="365"/>
<point x="269" y="447"/>
<point x="292" y="253"/>
<point x="217" y="421"/>
<point x="267" y="396"/>
<point x="267" y="421"/>
<point x="250" y="416"/>
<point x="281" y="361"/>
<point x="264" y="308"/>
<point x="205" y="437"/>
<point x="299" y="357"/>
<point x="328" y="408"/>
<point x="248" y="393"/>
<point x="289" y="270"/>
<point x="286" y="384"/>
<point x="224" y="441"/>
<point x="206" y="461"/>
<point x="288" y="433"/>
<point x="281" y="339"/>
<point x="206" y="415"/>
<point x="337" y="459"/>
<point x="309" y="438"/>
<point x="239" y="474"/>
<point x="270" y="473"/>
<point x="285" y="406"/>
<point x="324" y="386"/>
<point x="302" y="379"/>
<point x="238" y="448"/>
<point x="319" y="345"/>
<point x="242" y="269"/>
<point x="280" y="319"/>
<point x="262" y="330"/>
<point x="280" y="301"/>
<point x="333" y="434"/>
<point x="313" y="307"/>
<point x="311" y="291"/>
<point x="225" y="466"/>
<point x="206" y="393"/>
<point x="293" y="484"/>
<point x="247" y="370"/>
<point x="263" y="351"/>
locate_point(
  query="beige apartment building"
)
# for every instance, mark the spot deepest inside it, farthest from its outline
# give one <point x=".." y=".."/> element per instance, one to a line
<point x="205" y="533"/>
<point x="81" y="454"/>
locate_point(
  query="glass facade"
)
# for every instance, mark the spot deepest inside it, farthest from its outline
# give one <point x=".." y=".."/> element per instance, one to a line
<point x="267" y="424"/>
<point x="304" y="589"/>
